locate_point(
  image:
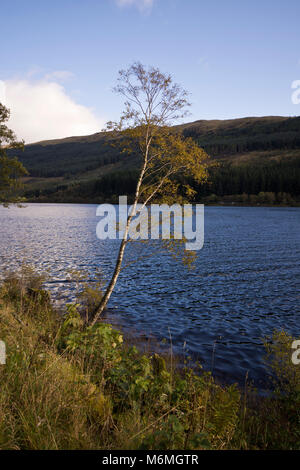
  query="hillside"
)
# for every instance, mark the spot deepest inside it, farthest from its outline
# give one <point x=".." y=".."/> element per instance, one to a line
<point x="255" y="154"/>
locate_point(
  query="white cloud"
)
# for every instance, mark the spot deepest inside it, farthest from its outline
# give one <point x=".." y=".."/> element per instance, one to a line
<point x="142" y="5"/>
<point x="34" y="71"/>
<point x="59" y="75"/>
<point x="42" y="110"/>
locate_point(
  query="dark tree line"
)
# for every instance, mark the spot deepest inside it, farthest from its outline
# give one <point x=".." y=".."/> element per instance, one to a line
<point x="252" y="179"/>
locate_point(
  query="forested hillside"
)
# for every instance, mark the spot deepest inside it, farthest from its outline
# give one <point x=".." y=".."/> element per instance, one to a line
<point x="258" y="161"/>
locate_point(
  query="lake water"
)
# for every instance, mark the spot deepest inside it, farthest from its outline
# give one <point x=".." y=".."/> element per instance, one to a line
<point x="244" y="285"/>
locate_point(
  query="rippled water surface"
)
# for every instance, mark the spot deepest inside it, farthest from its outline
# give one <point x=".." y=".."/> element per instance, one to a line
<point x="245" y="283"/>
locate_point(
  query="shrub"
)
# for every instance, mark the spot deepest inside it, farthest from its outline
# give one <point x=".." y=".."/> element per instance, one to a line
<point x="69" y="385"/>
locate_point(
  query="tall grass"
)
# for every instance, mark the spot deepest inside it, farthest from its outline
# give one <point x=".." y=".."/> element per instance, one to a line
<point x="67" y="385"/>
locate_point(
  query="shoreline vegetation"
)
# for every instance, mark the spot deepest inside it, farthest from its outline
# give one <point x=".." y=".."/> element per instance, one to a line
<point x="69" y="385"/>
<point x="213" y="204"/>
<point x="263" y="199"/>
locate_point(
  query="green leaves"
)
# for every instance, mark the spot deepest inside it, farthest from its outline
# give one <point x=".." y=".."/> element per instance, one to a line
<point x="11" y="170"/>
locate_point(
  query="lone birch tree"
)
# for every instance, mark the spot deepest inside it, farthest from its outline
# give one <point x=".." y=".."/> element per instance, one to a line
<point x="153" y="103"/>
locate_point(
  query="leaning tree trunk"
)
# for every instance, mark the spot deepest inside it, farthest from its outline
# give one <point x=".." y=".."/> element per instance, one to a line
<point x="101" y="306"/>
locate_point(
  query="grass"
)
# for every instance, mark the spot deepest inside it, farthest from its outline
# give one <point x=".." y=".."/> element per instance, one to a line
<point x="67" y="385"/>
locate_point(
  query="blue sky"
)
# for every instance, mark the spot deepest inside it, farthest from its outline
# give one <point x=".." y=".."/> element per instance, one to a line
<point x="60" y="59"/>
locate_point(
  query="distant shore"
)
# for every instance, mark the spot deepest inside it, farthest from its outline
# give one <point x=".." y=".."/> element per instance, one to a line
<point x="114" y="201"/>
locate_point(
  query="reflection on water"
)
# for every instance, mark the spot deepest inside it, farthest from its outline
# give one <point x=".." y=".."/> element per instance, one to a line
<point x="245" y="283"/>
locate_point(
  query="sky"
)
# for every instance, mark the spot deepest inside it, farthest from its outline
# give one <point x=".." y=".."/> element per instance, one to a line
<point x="60" y="58"/>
